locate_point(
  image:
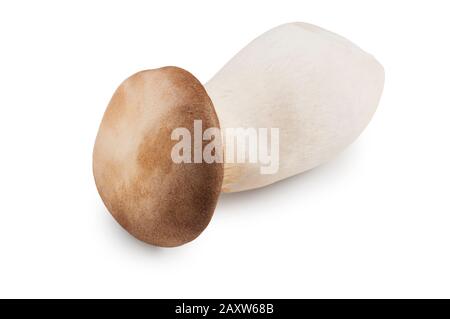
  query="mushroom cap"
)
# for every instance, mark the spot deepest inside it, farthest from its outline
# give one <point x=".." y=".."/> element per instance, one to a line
<point x="156" y="200"/>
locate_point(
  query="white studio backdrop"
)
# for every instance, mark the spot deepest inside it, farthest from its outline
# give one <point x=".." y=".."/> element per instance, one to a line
<point x="372" y="223"/>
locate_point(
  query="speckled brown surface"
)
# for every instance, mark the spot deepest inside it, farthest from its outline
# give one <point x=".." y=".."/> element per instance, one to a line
<point x="156" y="200"/>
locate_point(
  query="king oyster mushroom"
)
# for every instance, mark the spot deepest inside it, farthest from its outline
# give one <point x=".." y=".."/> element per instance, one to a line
<point x="317" y="88"/>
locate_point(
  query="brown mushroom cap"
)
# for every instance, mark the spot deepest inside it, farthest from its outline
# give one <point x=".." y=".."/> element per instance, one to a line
<point x="153" y="198"/>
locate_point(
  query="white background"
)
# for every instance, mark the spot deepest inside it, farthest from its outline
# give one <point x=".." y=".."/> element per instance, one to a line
<point x="375" y="222"/>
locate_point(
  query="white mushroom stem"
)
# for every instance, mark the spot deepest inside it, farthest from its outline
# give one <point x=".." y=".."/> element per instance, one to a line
<point x="318" y="88"/>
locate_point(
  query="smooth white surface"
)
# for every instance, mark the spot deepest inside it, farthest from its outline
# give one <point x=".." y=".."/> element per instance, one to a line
<point x="375" y="222"/>
<point x="318" y="89"/>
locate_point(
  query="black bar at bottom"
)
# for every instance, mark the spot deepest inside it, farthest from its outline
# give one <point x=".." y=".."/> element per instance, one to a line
<point x="227" y="308"/>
